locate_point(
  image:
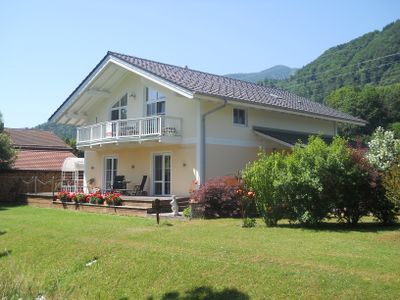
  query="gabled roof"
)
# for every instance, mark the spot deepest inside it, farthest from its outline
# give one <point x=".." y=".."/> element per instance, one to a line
<point x="41" y="160"/>
<point x="225" y="87"/>
<point x="36" y="139"/>
<point x="201" y="83"/>
<point x="38" y="150"/>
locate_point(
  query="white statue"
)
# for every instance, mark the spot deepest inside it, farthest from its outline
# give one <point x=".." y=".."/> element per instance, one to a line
<point x="174" y="206"/>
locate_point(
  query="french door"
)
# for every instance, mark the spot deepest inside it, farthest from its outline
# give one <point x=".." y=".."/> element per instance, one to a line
<point x="162" y="174"/>
<point x="110" y="171"/>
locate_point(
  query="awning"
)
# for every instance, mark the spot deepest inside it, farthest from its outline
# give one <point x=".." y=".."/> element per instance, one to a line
<point x="72" y="164"/>
<point x="287" y="138"/>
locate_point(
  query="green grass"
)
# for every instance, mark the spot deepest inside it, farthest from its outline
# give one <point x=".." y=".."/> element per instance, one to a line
<point x="44" y="252"/>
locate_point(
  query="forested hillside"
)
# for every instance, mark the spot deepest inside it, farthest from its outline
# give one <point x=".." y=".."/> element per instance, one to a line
<point x="61" y="130"/>
<point x="278" y="72"/>
<point x="373" y="58"/>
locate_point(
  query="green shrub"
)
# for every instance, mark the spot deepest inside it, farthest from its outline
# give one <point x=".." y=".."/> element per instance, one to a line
<point x="315" y="182"/>
<point x="349" y="182"/>
<point x="391" y="182"/>
<point x="249" y="222"/>
<point x="262" y="176"/>
<point x="187" y="212"/>
<point x="304" y="183"/>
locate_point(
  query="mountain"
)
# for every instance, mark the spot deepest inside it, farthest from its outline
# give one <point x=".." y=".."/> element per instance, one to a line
<point x="373" y="58"/>
<point x="61" y="130"/>
<point x="278" y="72"/>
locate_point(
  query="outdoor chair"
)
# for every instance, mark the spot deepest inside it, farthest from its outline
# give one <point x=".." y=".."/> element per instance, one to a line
<point x="138" y="189"/>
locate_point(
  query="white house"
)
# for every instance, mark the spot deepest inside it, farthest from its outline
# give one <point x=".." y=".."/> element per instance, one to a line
<point x="179" y="126"/>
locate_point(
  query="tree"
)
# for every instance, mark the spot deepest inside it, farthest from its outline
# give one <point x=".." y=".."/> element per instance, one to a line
<point x="72" y="143"/>
<point x="384" y="149"/>
<point x="7" y="151"/>
<point x="366" y="103"/>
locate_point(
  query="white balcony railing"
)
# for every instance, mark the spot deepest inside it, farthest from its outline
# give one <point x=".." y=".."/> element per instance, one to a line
<point x="129" y="130"/>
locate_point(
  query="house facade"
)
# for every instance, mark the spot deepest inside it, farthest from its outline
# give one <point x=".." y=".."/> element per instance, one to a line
<point x="179" y="126"/>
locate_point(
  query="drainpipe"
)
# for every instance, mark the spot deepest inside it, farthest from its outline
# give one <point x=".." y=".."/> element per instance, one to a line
<point x="202" y="151"/>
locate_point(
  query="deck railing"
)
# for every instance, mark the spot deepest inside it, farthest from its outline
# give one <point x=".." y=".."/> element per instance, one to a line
<point x="129" y="129"/>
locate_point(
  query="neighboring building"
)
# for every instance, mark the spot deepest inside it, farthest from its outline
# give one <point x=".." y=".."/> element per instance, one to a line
<point x="40" y="154"/>
<point x="178" y="126"/>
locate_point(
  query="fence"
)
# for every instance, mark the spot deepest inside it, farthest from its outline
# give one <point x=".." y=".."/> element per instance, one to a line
<point x="14" y="183"/>
<point x="38" y="184"/>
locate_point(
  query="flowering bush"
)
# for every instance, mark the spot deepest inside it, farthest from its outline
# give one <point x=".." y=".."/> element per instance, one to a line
<point x="383" y="149"/>
<point x="218" y="197"/>
<point x="80" y="198"/>
<point x="62" y="196"/>
<point x="95" y="198"/>
<point x="113" y="199"/>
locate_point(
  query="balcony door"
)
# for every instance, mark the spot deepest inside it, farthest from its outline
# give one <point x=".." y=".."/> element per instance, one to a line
<point x="162" y="174"/>
<point x="110" y="171"/>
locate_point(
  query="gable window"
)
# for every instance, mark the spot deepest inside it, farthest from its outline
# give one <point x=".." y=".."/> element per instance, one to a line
<point x="119" y="109"/>
<point x="239" y="117"/>
<point x="155" y="102"/>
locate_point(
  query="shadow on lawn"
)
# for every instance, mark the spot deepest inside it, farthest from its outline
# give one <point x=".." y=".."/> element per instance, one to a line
<point x="5" y="205"/>
<point x="204" y="292"/>
<point x="5" y="253"/>
<point x="341" y="227"/>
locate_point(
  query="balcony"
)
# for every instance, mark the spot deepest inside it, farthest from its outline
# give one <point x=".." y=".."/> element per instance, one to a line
<point x="129" y="130"/>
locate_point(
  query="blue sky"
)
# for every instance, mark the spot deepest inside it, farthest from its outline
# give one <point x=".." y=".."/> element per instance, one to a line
<point x="48" y="47"/>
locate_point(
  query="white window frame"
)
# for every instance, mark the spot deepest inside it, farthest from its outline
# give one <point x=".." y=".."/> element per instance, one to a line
<point x="119" y="108"/>
<point x="148" y="101"/>
<point x="152" y="165"/>
<point x="104" y="183"/>
<point x="245" y="117"/>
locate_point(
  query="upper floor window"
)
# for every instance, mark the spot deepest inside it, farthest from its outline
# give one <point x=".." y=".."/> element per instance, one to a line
<point x="239" y="117"/>
<point x="119" y="109"/>
<point x="155" y="102"/>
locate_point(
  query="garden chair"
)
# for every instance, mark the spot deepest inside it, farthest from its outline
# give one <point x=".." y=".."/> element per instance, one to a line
<point x="138" y="189"/>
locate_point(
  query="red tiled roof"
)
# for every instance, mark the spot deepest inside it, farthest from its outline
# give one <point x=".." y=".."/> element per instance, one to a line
<point x="41" y="160"/>
<point x="35" y="139"/>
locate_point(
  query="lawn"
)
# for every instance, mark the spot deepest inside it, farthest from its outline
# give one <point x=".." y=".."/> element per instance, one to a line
<point x="45" y="252"/>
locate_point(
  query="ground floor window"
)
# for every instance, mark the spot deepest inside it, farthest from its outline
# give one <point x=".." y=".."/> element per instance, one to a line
<point x="162" y="174"/>
<point x="110" y="171"/>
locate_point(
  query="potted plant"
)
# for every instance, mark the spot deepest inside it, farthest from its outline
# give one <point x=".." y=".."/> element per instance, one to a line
<point x="113" y="199"/>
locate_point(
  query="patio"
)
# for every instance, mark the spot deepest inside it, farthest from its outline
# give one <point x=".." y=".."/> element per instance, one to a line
<point x="131" y="205"/>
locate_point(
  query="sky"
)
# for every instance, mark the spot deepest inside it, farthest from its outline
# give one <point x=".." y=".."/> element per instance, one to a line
<point x="48" y="47"/>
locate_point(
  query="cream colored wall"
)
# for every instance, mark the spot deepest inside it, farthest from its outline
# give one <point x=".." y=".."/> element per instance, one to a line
<point x="176" y="105"/>
<point x="227" y="160"/>
<point x="229" y="147"/>
<point x="221" y="130"/>
<point x="135" y="162"/>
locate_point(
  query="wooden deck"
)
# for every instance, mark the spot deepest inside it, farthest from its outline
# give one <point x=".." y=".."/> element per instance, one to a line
<point x="131" y="205"/>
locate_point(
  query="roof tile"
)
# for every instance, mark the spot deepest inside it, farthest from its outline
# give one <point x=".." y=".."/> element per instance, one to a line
<point x="41" y="160"/>
<point x="234" y="89"/>
<point x="35" y="139"/>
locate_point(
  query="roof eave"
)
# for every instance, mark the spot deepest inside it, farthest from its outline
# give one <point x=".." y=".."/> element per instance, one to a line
<point x="286" y="110"/>
<point x="152" y="77"/>
<point x="109" y="58"/>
